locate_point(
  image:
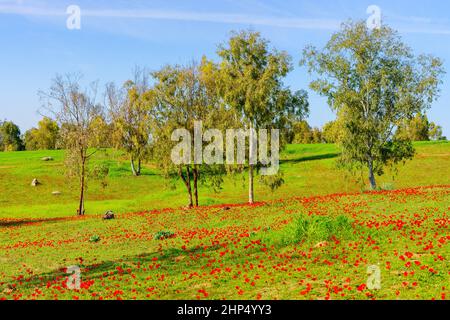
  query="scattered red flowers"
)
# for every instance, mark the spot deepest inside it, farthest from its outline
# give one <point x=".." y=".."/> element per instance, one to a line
<point x="240" y="253"/>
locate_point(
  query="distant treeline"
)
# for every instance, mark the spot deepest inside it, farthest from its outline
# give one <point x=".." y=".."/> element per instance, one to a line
<point x="418" y="128"/>
<point x="46" y="136"/>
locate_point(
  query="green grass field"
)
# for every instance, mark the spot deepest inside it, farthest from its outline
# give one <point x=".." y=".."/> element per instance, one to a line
<point x="314" y="238"/>
<point x="308" y="170"/>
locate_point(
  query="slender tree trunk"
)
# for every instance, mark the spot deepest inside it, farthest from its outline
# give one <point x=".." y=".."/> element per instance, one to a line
<point x="196" y="175"/>
<point x="139" y="167"/>
<point x="187" y="183"/>
<point x="133" y="168"/>
<point x="373" y="183"/>
<point x="82" y="185"/>
<point x="250" y="170"/>
<point x="251" y="199"/>
<point x="136" y="172"/>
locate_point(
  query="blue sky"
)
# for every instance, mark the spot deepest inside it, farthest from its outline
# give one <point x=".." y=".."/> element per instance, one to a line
<point x="116" y="35"/>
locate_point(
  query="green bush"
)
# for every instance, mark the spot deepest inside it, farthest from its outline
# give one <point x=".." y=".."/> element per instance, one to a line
<point x="322" y="228"/>
<point x="161" y="235"/>
<point x="95" y="238"/>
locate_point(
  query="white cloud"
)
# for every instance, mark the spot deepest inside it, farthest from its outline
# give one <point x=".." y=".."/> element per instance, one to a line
<point x="219" y="18"/>
<point x="29" y="11"/>
<point x="418" y="25"/>
<point x="212" y="17"/>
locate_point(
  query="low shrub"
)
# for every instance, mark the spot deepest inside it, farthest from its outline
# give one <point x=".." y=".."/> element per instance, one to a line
<point x="323" y="228"/>
<point x="161" y="235"/>
<point x="95" y="238"/>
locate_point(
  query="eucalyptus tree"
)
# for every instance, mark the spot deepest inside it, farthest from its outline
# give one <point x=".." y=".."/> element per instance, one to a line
<point x="251" y="82"/>
<point x="373" y="80"/>
<point x="130" y="116"/>
<point x="185" y="97"/>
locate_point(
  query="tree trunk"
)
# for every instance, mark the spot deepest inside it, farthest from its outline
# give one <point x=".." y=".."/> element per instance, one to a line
<point x="187" y="183"/>
<point x="196" y="174"/>
<point x="139" y="167"/>
<point x="250" y="168"/>
<point x="250" y="185"/>
<point x="133" y="168"/>
<point x="136" y="172"/>
<point x="373" y="183"/>
<point x="82" y="185"/>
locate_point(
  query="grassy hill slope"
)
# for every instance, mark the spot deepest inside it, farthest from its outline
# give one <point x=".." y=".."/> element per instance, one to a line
<point x="308" y="244"/>
<point x="308" y="170"/>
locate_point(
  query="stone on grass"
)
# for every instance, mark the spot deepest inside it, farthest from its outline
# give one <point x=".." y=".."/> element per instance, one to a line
<point x="109" y="215"/>
<point x="47" y="159"/>
<point x="35" y="183"/>
<point x="56" y="193"/>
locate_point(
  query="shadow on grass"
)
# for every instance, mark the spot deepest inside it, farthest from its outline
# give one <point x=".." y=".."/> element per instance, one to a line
<point x="311" y="158"/>
<point x="96" y="271"/>
<point x="123" y="171"/>
<point x="25" y="222"/>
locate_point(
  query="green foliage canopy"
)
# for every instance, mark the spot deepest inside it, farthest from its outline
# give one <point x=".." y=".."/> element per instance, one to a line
<point x="373" y="81"/>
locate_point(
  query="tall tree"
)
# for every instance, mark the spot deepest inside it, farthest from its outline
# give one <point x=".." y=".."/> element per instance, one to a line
<point x="101" y="132"/>
<point x="330" y="132"/>
<point x="373" y="80"/>
<point x="10" y="139"/>
<point x="415" y="129"/>
<point x="419" y="128"/>
<point x="301" y="132"/>
<point x="44" y="137"/>
<point x="74" y="110"/>
<point x="435" y="132"/>
<point x="252" y="83"/>
<point x="184" y="95"/>
<point x="129" y="111"/>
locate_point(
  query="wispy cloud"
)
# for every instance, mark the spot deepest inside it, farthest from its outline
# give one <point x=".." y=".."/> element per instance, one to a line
<point x="421" y="25"/>
<point x="210" y="17"/>
<point x="416" y="25"/>
<point x="427" y="31"/>
<point x="321" y="24"/>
